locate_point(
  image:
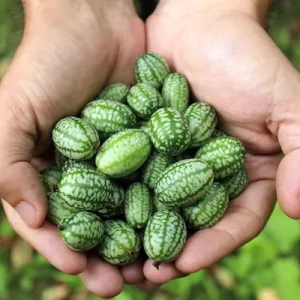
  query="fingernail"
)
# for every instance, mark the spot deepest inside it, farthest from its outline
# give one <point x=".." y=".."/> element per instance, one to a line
<point x="27" y="212"/>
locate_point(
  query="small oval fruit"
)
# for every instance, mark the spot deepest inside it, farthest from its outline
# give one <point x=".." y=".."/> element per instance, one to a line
<point x="50" y="178"/>
<point x="109" y="117"/>
<point x="84" y="189"/>
<point x="76" y="138"/>
<point x="184" y="182"/>
<point x="57" y="210"/>
<point x="123" y="153"/>
<point x="215" y="134"/>
<point x="202" y="120"/>
<point x="115" y="92"/>
<point x="236" y="183"/>
<point x="208" y="210"/>
<point x="154" y="166"/>
<point x="169" y="131"/>
<point x="144" y="100"/>
<point x="225" y="154"/>
<point x="114" y="206"/>
<point x="138" y="205"/>
<point x="82" y="231"/>
<point x="164" y="237"/>
<point x="151" y="68"/>
<point x="121" y="245"/>
<point x="175" y="92"/>
<point x="71" y="165"/>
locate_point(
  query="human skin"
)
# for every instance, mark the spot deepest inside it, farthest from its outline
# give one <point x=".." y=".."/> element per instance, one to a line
<point x="69" y="51"/>
<point x="231" y="63"/>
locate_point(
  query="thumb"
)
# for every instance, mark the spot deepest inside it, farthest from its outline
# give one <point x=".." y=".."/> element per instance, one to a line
<point x="20" y="184"/>
<point x="285" y="124"/>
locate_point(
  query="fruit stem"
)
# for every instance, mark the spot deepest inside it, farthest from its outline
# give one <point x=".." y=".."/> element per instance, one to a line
<point x="156" y="264"/>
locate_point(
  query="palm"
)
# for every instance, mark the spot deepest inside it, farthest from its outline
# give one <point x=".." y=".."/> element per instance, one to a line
<point x="219" y="65"/>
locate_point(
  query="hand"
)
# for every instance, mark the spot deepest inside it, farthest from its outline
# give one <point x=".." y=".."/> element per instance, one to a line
<point x="232" y="63"/>
<point x="69" y="51"/>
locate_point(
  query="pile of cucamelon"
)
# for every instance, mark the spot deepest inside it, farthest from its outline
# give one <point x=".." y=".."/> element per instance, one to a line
<point x="140" y="168"/>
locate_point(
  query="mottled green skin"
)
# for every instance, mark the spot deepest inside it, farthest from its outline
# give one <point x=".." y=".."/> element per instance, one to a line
<point x="154" y="166"/>
<point x="236" y="183"/>
<point x="57" y="210"/>
<point x="109" y="117"/>
<point x="50" y="178"/>
<point x="82" y="232"/>
<point x="175" y="92"/>
<point x="123" y="153"/>
<point x="225" y="154"/>
<point x="184" y="182"/>
<point x="202" y="120"/>
<point x="165" y="236"/>
<point x="121" y="244"/>
<point x="158" y="206"/>
<point x="85" y="189"/>
<point x="143" y="125"/>
<point x="169" y="131"/>
<point x="138" y="205"/>
<point x="113" y="208"/>
<point x="59" y="158"/>
<point x="151" y="68"/>
<point x="76" y="138"/>
<point x="208" y="210"/>
<point x="144" y="100"/>
<point x="215" y="134"/>
<point x="115" y="92"/>
<point x="71" y="165"/>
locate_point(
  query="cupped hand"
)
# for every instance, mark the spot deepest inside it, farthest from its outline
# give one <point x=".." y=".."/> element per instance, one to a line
<point x="70" y="50"/>
<point x="231" y="63"/>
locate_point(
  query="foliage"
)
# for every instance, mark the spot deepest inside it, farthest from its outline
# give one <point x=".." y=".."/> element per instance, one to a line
<point x="266" y="268"/>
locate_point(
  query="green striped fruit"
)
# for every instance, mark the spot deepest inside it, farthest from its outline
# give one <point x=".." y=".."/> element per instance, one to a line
<point x="109" y="117"/>
<point x="154" y="166"/>
<point x="59" y="158"/>
<point x="71" y="165"/>
<point x="215" y="134"/>
<point x="121" y="244"/>
<point x="225" y="154"/>
<point x="123" y="153"/>
<point x="82" y="232"/>
<point x="169" y="132"/>
<point x="208" y="210"/>
<point x="151" y="68"/>
<point x="158" y="206"/>
<point x="115" y="92"/>
<point x="113" y="208"/>
<point x="57" y="210"/>
<point x="138" y="205"/>
<point x="236" y="183"/>
<point x="144" y="100"/>
<point x="84" y="189"/>
<point x="143" y="125"/>
<point x="76" y="138"/>
<point x="184" y="182"/>
<point x="202" y="120"/>
<point x="165" y="236"/>
<point x="175" y="92"/>
<point x="50" y="178"/>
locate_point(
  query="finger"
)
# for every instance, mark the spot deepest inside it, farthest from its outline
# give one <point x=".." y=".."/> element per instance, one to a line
<point x="133" y="273"/>
<point x="48" y="243"/>
<point x="165" y="273"/>
<point x="20" y="184"/>
<point x="288" y="185"/>
<point x="148" y="286"/>
<point x="244" y="219"/>
<point x="102" y="278"/>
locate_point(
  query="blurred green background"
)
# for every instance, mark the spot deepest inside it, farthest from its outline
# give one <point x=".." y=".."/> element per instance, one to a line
<point x="267" y="268"/>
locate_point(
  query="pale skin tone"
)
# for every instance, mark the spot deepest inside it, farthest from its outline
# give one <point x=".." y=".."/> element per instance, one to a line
<point x="230" y="62"/>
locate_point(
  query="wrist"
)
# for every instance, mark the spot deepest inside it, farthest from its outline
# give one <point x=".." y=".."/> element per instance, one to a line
<point x="257" y="9"/>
